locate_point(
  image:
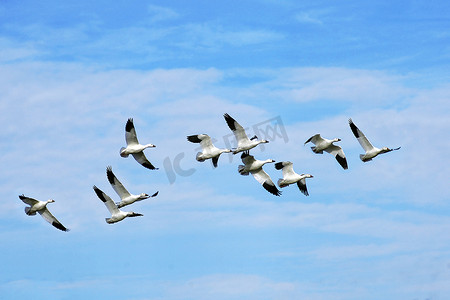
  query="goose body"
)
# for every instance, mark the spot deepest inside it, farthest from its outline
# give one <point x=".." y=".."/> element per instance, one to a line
<point x="290" y="177"/>
<point x="243" y="142"/>
<point x="254" y="167"/>
<point x="322" y="144"/>
<point x="209" y="151"/>
<point x="40" y="207"/>
<point x="116" y="214"/>
<point x="126" y="197"/>
<point x="370" y="150"/>
<point x="134" y="148"/>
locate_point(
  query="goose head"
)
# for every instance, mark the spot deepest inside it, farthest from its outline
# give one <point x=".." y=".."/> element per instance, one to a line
<point x="50" y="201"/>
<point x="386" y="149"/>
<point x="336" y="140"/>
<point x="144" y="196"/>
<point x="307" y="175"/>
<point x="150" y="146"/>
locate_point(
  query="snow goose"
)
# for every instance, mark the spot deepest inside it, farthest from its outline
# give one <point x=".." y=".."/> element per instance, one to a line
<point x="134" y="148"/>
<point x="322" y="144"/>
<point x="125" y="196"/>
<point x="116" y="214"/>
<point x="370" y="150"/>
<point x="243" y="142"/>
<point x="290" y="177"/>
<point x="208" y="149"/>
<point x="41" y="208"/>
<point x="254" y="166"/>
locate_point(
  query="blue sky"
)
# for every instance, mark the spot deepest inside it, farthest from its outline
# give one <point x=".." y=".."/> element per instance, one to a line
<point x="73" y="73"/>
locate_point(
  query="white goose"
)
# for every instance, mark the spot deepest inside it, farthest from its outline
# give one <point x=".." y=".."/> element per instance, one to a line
<point x="254" y="166"/>
<point x="322" y="144"/>
<point x="134" y="148"/>
<point x="371" y="151"/>
<point x="41" y="208"/>
<point x="116" y="214"/>
<point x="243" y="142"/>
<point x="290" y="177"/>
<point x="124" y="195"/>
<point x="208" y="149"/>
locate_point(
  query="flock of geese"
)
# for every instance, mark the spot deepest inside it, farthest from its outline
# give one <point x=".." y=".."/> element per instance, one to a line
<point x="209" y="151"/>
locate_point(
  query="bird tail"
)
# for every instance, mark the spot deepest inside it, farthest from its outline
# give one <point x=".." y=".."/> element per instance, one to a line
<point x="363" y="158"/>
<point x="315" y="150"/>
<point x="281" y="183"/>
<point x="27" y="211"/>
<point x="241" y="170"/>
<point x="198" y="157"/>
<point x="123" y="154"/>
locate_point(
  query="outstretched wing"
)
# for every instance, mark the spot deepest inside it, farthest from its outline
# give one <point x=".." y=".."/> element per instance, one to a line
<point x="130" y="133"/>
<point x="140" y="158"/>
<point x="112" y="207"/>
<point x="28" y="200"/>
<point x="363" y="141"/>
<point x="237" y="129"/>
<point x="263" y="178"/>
<point x="47" y="215"/>
<point x="286" y="167"/>
<point x="302" y="186"/>
<point x="247" y="159"/>
<point x="314" y="139"/>
<point x="116" y="184"/>
<point x="338" y="153"/>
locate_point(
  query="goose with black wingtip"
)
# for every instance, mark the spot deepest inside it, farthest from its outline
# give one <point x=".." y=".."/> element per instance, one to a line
<point x="134" y="148"/>
<point x="322" y="144"/>
<point x="116" y="214"/>
<point x="255" y="167"/>
<point x="126" y="197"/>
<point x="370" y="150"/>
<point x="290" y="177"/>
<point x="243" y="142"/>
<point x="209" y="151"/>
<point x="40" y="207"/>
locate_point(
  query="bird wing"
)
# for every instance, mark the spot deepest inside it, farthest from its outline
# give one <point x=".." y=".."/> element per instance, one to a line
<point x="47" y="215"/>
<point x="237" y="129"/>
<point x="28" y="200"/>
<point x="338" y="153"/>
<point x="247" y="159"/>
<point x="112" y="207"/>
<point x="263" y="178"/>
<point x="286" y="167"/>
<point x="203" y="139"/>
<point x="140" y="158"/>
<point x="116" y="184"/>
<point x="302" y="186"/>
<point x="130" y="133"/>
<point x="314" y="139"/>
<point x="363" y="141"/>
<point x="215" y="160"/>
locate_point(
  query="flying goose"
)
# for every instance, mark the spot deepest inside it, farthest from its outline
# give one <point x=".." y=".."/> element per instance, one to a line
<point x="371" y="151"/>
<point x="290" y="177"/>
<point x="134" y="148"/>
<point x="208" y="149"/>
<point x="124" y="195"/>
<point x="322" y="144"/>
<point x="254" y="166"/>
<point x="116" y="214"/>
<point x="41" y="208"/>
<point x="243" y="142"/>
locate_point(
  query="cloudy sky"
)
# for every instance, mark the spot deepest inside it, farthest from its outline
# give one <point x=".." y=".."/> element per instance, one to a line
<point x="72" y="73"/>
